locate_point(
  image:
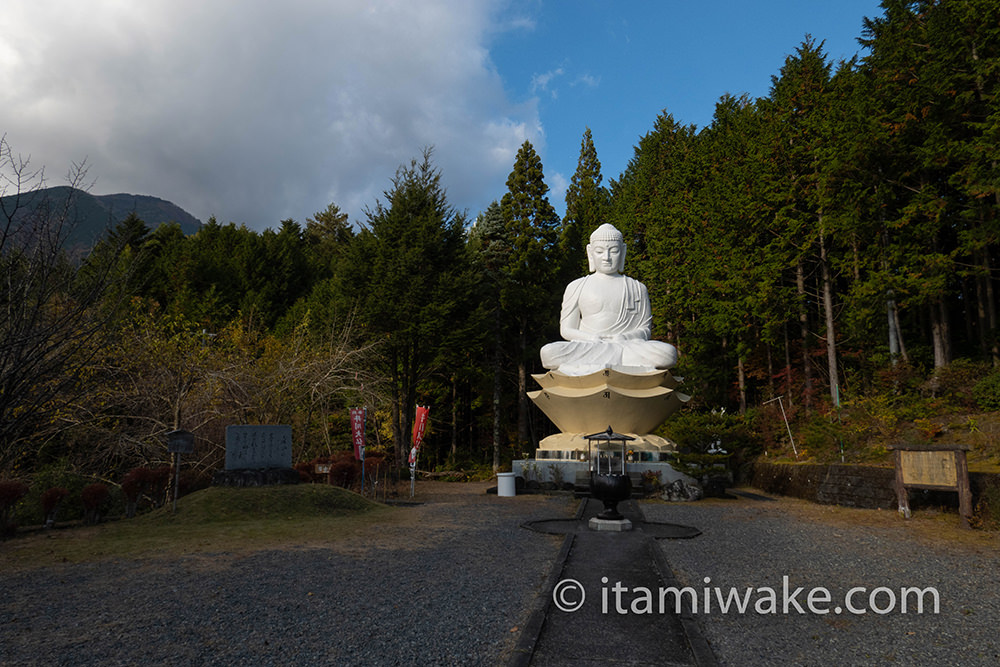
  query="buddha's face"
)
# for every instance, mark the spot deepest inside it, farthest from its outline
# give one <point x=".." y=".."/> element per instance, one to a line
<point x="606" y="257"/>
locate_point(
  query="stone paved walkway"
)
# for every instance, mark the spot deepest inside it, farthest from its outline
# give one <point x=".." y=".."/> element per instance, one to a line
<point x="591" y="567"/>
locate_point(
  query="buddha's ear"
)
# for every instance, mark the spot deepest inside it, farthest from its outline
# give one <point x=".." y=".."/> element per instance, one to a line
<point x="591" y="266"/>
<point x="621" y="262"/>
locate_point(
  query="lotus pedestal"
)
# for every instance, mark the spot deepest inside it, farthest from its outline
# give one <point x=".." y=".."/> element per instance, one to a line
<point x="635" y="403"/>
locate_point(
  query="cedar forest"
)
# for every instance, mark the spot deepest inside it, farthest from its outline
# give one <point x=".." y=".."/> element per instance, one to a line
<point x="835" y="243"/>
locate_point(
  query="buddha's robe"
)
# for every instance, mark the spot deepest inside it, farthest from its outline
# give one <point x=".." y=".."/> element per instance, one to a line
<point x="629" y="351"/>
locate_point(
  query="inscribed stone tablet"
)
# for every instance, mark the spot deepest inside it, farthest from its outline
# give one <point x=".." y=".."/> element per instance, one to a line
<point x="256" y="447"/>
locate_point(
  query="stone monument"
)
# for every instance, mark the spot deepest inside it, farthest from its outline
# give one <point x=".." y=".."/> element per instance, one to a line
<point x="607" y="371"/>
<point x="257" y="455"/>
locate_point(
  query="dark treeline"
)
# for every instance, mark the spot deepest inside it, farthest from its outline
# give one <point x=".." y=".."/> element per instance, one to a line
<point x="807" y="242"/>
<point x="825" y="242"/>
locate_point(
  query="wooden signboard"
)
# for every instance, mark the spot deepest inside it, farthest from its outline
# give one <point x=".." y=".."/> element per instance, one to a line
<point x="180" y="442"/>
<point x="934" y="467"/>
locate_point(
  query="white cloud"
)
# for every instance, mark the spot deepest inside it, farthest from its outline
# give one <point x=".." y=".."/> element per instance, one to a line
<point x="255" y="111"/>
<point x="558" y="184"/>
<point x="542" y="82"/>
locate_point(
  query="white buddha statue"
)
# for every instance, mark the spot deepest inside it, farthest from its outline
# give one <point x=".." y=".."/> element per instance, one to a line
<point x="606" y="319"/>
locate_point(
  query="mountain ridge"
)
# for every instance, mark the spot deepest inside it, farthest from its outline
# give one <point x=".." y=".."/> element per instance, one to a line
<point x="93" y="215"/>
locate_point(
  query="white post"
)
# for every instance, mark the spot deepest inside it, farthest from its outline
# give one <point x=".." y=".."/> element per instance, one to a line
<point x="177" y="478"/>
<point x="787" y="427"/>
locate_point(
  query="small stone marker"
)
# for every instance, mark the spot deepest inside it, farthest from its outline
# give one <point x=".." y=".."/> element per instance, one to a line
<point x="258" y="447"/>
<point x="934" y="467"/>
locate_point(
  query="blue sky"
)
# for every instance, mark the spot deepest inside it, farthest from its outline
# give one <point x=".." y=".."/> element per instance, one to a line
<point x="255" y="111"/>
<point x="614" y="67"/>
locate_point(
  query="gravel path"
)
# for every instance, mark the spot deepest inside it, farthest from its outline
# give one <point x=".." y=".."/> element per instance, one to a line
<point x="755" y="543"/>
<point x="452" y="586"/>
<point x="456" y="581"/>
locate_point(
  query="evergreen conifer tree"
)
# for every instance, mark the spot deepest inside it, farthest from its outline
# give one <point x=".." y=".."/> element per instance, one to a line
<point x="586" y="207"/>
<point x="530" y="290"/>
<point x="407" y="267"/>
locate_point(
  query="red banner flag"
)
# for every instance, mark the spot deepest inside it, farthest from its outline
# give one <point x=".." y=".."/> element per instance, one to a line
<point x="419" y="425"/>
<point x="358" y="432"/>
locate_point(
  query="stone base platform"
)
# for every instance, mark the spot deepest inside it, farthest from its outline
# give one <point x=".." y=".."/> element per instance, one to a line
<point x="572" y="471"/>
<point x="609" y="525"/>
<point x="256" y="477"/>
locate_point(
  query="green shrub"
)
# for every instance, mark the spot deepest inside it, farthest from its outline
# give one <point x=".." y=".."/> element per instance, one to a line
<point x="11" y="492"/>
<point x="59" y="474"/>
<point x="699" y="465"/>
<point x="821" y="438"/>
<point x="701" y="432"/>
<point x="986" y="515"/>
<point x="986" y="392"/>
<point x="957" y="380"/>
<point x="652" y="481"/>
<point x="900" y="379"/>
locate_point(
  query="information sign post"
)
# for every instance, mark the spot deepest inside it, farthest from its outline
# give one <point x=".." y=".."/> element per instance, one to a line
<point x="933" y="467"/>
<point x="179" y="442"/>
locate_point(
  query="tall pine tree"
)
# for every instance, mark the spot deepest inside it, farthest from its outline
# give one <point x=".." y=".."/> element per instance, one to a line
<point x="530" y="284"/>
<point x="586" y="207"/>
<point x="406" y="266"/>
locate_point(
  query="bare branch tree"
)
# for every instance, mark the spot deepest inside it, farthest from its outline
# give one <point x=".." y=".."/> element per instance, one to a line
<point x="53" y="314"/>
<point x="302" y="381"/>
<point x="162" y="373"/>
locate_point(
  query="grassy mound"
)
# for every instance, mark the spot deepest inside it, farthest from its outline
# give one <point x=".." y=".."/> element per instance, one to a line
<point x="220" y="504"/>
<point x="214" y="520"/>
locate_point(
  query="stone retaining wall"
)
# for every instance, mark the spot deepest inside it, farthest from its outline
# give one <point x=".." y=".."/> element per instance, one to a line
<point x="868" y="487"/>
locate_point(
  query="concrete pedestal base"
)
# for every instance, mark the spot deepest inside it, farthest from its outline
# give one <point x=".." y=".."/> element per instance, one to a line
<point x="609" y="525"/>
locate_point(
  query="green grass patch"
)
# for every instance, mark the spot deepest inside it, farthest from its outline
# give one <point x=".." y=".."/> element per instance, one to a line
<point x="219" y="504"/>
<point x="214" y="520"/>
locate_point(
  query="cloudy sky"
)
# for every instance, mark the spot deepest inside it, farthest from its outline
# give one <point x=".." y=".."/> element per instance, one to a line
<point x="255" y="111"/>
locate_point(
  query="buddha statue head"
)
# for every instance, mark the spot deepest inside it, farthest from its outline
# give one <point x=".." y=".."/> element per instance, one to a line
<point x="606" y="250"/>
